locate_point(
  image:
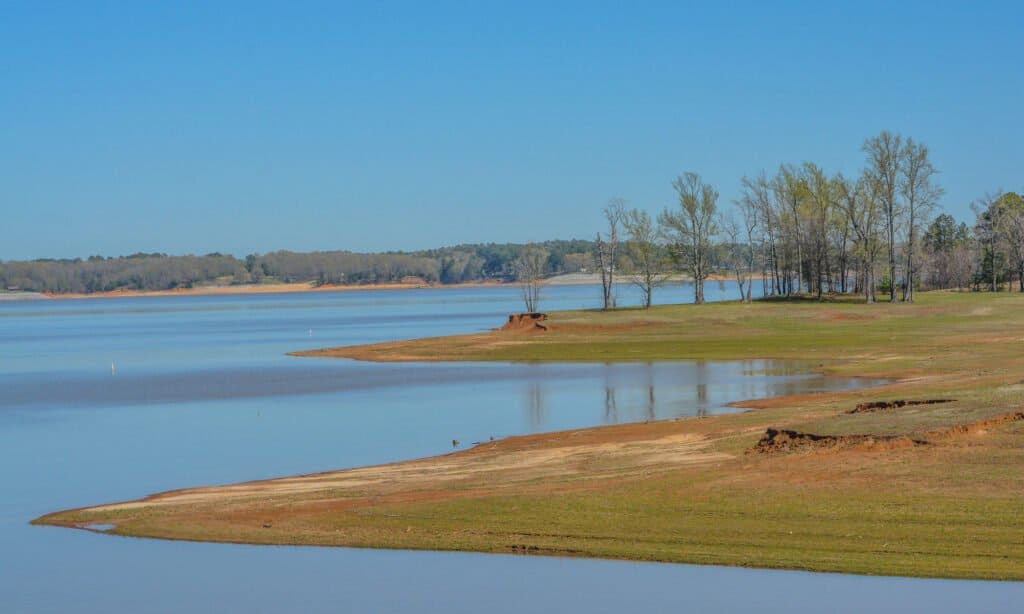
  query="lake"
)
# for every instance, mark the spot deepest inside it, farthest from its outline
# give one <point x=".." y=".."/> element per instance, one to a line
<point x="113" y="399"/>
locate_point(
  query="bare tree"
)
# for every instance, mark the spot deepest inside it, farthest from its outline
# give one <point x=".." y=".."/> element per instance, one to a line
<point x="530" y="267"/>
<point x="920" y="196"/>
<point x="863" y="209"/>
<point x="822" y="197"/>
<point x="646" y="254"/>
<point x="1011" y="206"/>
<point x="962" y="264"/>
<point x="735" y="252"/>
<point x="756" y="202"/>
<point x="989" y="232"/>
<point x="743" y="248"/>
<point x="790" y="191"/>
<point x="789" y="196"/>
<point x="841" y="236"/>
<point x="885" y="153"/>
<point x="692" y="227"/>
<point x="606" y="249"/>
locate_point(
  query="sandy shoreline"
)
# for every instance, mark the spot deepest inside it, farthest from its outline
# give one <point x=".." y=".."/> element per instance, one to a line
<point x="260" y="289"/>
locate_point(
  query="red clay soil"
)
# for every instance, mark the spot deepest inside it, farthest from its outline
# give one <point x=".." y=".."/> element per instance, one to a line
<point x="976" y="427"/>
<point x="526" y="322"/>
<point x="784" y="440"/>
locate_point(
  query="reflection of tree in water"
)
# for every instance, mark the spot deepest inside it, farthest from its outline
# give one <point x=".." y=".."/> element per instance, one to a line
<point x="650" y="392"/>
<point x="611" y="410"/>
<point x="535" y="406"/>
<point x="702" y="388"/>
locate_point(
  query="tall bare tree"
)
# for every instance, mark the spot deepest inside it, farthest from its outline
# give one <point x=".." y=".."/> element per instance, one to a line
<point x="742" y="234"/>
<point x="691" y="228"/>
<point x="530" y="268"/>
<point x="790" y="191"/>
<point x="863" y="209"/>
<point x="647" y="256"/>
<point x="920" y="197"/>
<point x="606" y="249"/>
<point x="756" y="201"/>
<point x="735" y="253"/>
<point x="989" y="230"/>
<point x="841" y="237"/>
<point x="822" y="192"/>
<point x="885" y="154"/>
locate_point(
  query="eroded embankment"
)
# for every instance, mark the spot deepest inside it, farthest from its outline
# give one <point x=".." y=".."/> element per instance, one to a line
<point x="530" y="322"/>
<point x="787" y="440"/>
<point x="776" y="440"/>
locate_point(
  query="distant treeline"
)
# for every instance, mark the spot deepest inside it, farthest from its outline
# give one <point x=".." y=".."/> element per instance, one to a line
<point x="449" y="265"/>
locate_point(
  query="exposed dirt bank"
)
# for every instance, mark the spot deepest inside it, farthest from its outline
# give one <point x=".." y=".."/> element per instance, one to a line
<point x="786" y="440"/>
<point x="526" y="323"/>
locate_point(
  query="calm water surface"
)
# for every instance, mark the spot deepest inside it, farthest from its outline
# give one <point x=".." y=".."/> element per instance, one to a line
<point x="203" y="393"/>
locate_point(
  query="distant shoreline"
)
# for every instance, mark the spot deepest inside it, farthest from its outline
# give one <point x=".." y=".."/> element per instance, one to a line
<point x="21" y="296"/>
<point x="289" y="288"/>
<point x="568" y="279"/>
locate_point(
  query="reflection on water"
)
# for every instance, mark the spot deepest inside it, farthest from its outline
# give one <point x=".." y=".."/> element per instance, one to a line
<point x="635" y="392"/>
<point x="556" y="395"/>
<point x="535" y="406"/>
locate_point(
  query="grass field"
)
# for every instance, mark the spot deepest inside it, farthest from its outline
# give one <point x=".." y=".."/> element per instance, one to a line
<point x="933" y="490"/>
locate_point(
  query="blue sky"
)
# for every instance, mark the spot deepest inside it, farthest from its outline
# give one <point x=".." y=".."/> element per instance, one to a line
<point x="248" y="127"/>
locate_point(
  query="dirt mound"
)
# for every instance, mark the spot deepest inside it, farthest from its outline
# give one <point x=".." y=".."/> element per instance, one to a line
<point x="883" y="405"/>
<point x="976" y="427"/>
<point x="784" y="440"/>
<point x="526" y="322"/>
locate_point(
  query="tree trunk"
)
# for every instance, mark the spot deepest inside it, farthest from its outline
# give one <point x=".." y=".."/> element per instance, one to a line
<point x="908" y="288"/>
<point x="799" y="263"/>
<point x="892" y="259"/>
<point x="867" y="285"/>
<point x="995" y="284"/>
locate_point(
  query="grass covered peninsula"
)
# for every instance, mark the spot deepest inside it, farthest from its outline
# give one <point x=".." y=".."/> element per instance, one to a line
<point x="921" y="477"/>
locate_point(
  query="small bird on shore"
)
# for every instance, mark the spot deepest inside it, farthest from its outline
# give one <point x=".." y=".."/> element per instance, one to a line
<point x="455" y="443"/>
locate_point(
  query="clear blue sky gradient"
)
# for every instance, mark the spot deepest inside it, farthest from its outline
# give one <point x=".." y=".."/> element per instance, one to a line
<point x="248" y="127"/>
